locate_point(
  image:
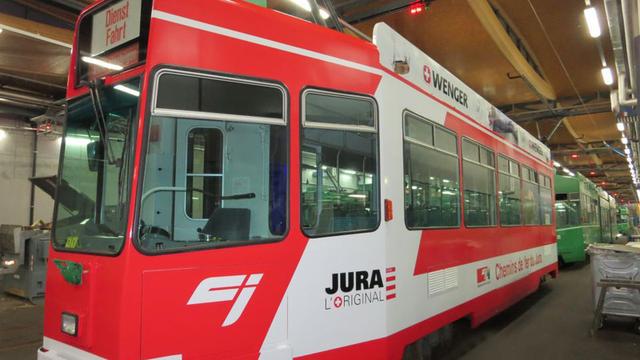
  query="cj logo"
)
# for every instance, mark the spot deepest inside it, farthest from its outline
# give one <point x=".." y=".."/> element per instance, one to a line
<point x="239" y="288"/>
<point x="427" y="74"/>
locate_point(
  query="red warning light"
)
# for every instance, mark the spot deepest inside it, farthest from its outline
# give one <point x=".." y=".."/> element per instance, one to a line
<point x="592" y="173"/>
<point x="416" y="8"/>
<point x="574" y="156"/>
<point x="603" y="183"/>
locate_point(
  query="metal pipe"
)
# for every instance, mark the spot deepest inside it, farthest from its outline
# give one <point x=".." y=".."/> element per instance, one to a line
<point x="34" y="163"/>
<point x="22" y="105"/>
<point x="623" y="90"/>
<point x="33" y="100"/>
<point x="35" y="36"/>
<point x="629" y="34"/>
<point x="355" y="30"/>
<point x="34" y="81"/>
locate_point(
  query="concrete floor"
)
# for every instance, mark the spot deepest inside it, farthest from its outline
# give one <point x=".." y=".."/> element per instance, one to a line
<point x="20" y="327"/>
<point x="550" y="324"/>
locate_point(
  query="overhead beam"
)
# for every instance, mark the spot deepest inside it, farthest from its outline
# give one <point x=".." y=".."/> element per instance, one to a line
<point x="564" y="111"/>
<point x="32" y="29"/>
<point x="492" y="25"/>
<point x="56" y="12"/>
<point x="72" y="4"/>
<point x="574" y="134"/>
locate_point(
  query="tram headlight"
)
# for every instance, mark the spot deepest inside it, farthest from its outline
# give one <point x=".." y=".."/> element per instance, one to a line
<point x="70" y="324"/>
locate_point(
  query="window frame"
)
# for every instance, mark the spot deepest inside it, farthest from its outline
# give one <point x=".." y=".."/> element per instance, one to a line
<point x="204" y="175"/>
<point x="331" y="126"/>
<point x="536" y="182"/>
<point x="413" y="141"/>
<point x="339" y="127"/>
<point x="152" y="89"/>
<point x="542" y="186"/>
<point x="134" y="132"/>
<point x="203" y="115"/>
<point x="519" y="178"/>
<point x="495" y="181"/>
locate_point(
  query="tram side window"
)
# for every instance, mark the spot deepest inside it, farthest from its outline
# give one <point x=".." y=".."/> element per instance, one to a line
<point x="589" y="206"/>
<point x="567" y="210"/>
<point x="509" y="192"/>
<point x="431" y="174"/>
<point x="479" y="184"/>
<point x="530" y="196"/>
<point x="339" y="164"/>
<point x="546" y="203"/>
<point x="203" y="186"/>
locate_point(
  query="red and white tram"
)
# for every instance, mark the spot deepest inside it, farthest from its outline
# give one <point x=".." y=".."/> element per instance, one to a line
<point x="239" y="183"/>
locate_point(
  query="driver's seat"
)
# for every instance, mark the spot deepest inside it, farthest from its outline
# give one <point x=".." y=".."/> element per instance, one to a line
<point x="229" y="224"/>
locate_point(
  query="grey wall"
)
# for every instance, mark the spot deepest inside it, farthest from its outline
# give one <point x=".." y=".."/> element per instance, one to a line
<point x="16" y="151"/>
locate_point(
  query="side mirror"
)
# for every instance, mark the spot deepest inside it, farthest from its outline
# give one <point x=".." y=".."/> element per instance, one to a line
<point x="94" y="155"/>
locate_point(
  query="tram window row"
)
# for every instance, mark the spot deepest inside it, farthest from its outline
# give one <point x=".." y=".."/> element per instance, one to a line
<point x="432" y="182"/>
<point x="340" y="174"/>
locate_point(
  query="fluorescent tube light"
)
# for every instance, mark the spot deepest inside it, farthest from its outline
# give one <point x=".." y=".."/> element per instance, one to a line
<point x="591" y="15"/>
<point x="607" y="76"/>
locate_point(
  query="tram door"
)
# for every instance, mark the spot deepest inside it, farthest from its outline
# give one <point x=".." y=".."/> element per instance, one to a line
<point x="199" y="171"/>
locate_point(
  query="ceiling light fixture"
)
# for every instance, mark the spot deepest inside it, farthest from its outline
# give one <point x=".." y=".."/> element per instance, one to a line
<point x="416" y="8"/>
<point x="607" y="76"/>
<point x="556" y="164"/>
<point x="620" y="126"/>
<point x="624" y="140"/>
<point x="591" y="15"/>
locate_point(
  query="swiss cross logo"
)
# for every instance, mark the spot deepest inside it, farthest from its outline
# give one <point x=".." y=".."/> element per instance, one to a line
<point x="483" y="275"/>
<point x="427" y="74"/>
<point x="236" y="288"/>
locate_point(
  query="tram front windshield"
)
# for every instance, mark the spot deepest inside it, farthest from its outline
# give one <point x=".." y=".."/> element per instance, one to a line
<point x="93" y="189"/>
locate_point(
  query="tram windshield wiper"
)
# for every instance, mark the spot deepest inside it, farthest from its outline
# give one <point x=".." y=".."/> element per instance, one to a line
<point x="94" y="92"/>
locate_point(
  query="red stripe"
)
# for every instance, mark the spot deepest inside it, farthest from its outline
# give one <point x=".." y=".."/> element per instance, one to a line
<point x="391" y="269"/>
<point x="459" y="246"/>
<point x="391" y="296"/>
<point x="391" y="278"/>
<point x="391" y="287"/>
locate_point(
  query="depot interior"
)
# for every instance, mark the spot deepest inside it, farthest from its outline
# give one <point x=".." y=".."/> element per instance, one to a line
<point x="566" y="71"/>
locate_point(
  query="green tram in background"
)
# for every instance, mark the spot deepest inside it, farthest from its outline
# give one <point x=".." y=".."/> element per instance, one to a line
<point x="623" y="221"/>
<point x="585" y="214"/>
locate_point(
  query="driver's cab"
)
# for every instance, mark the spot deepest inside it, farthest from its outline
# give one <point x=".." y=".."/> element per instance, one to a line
<point x="215" y="167"/>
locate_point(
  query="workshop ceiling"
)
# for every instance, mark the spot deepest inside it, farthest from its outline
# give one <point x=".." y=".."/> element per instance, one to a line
<point x="552" y="33"/>
<point x="555" y="37"/>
